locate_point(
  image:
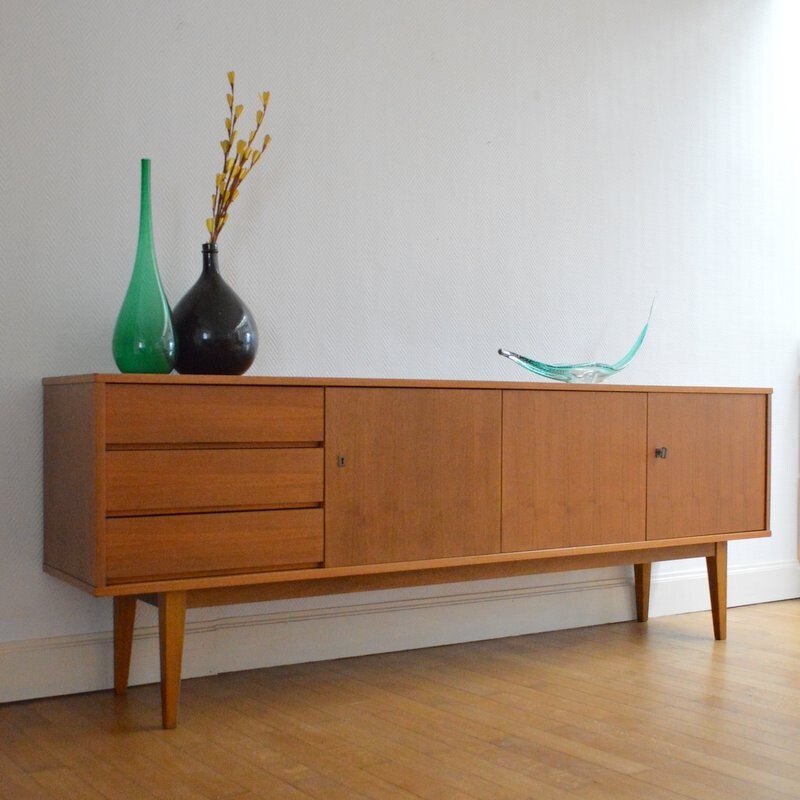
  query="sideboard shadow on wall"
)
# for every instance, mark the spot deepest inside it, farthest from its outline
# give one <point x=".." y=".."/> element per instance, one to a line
<point x="191" y="491"/>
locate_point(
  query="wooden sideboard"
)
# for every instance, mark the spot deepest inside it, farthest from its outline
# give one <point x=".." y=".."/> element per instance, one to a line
<point x="189" y="491"/>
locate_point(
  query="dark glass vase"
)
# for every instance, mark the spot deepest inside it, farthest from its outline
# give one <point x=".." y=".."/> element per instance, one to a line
<point x="143" y="339"/>
<point x="215" y="331"/>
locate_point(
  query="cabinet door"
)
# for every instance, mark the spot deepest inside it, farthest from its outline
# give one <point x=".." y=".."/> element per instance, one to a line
<point x="573" y="468"/>
<point x="411" y="474"/>
<point x="713" y="476"/>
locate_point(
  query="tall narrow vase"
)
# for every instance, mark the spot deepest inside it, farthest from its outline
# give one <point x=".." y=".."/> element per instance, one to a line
<point x="216" y="332"/>
<point x="144" y="340"/>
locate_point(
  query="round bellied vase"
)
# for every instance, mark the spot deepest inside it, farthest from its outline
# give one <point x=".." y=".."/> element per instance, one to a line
<point x="215" y="331"/>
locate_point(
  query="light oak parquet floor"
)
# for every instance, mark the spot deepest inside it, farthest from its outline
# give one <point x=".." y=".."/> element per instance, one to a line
<point x="658" y="711"/>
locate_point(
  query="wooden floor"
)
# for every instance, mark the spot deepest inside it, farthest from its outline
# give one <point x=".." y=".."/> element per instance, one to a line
<point x="656" y="711"/>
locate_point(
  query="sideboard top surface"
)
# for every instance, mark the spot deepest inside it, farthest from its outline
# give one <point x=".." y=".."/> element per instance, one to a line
<point x="409" y="383"/>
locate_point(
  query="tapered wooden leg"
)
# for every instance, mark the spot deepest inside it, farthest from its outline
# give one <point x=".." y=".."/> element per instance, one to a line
<point x="641" y="575"/>
<point x="171" y="624"/>
<point x="717" y="566"/>
<point x="124" y="619"/>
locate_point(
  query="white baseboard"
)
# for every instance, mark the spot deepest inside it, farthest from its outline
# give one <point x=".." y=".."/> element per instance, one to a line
<point x="351" y="625"/>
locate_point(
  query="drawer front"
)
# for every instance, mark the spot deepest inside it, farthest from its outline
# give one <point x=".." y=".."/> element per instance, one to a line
<point x="186" y="545"/>
<point x="157" y="414"/>
<point x="163" y="481"/>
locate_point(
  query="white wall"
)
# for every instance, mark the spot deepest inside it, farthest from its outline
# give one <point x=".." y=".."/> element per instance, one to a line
<point x="446" y="177"/>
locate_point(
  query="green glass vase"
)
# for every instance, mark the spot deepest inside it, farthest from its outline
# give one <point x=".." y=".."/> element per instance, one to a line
<point x="144" y="340"/>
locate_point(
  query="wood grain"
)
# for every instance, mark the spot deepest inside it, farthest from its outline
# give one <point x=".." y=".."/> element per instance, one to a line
<point x="573" y="469"/>
<point x="714" y="478"/>
<point x="411" y="474"/>
<point x="180" y="545"/>
<point x="642" y="573"/>
<point x="171" y="623"/>
<point x="192" y="414"/>
<point x="124" y="621"/>
<point x="163" y="481"/>
<point x="412" y="573"/>
<point x="717" y="566"/>
<point x="73" y="480"/>
<point x="555" y="716"/>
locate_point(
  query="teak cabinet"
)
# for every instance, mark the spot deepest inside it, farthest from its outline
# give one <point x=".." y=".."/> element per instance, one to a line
<point x="187" y="491"/>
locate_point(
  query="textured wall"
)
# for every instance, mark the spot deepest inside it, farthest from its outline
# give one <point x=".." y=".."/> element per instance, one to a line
<point x="446" y="177"/>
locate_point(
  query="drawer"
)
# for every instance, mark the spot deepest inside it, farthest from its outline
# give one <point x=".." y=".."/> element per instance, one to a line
<point x="163" y="481"/>
<point x="204" y="544"/>
<point x="158" y="414"/>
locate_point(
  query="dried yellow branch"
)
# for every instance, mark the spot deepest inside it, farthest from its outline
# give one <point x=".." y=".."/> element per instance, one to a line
<point x="234" y="169"/>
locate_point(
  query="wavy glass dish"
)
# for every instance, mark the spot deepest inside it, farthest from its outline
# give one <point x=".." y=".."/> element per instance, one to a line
<point x="594" y="372"/>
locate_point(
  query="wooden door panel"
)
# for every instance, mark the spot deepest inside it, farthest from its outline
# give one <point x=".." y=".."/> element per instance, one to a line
<point x="573" y="468"/>
<point x="714" y="476"/>
<point x="411" y="474"/>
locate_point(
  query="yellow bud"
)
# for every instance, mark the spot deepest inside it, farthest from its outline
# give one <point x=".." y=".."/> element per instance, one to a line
<point x="238" y="111"/>
<point x="231" y="78"/>
<point x="228" y="165"/>
<point x="225" y="145"/>
<point x="267" y="140"/>
<point x="229" y="98"/>
<point x="234" y="195"/>
<point x="256" y="155"/>
<point x="228" y="124"/>
<point x="265" y="98"/>
<point x="210" y="225"/>
<point x="242" y="173"/>
<point x="240" y="146"/>
<point x="259" y="117"/>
